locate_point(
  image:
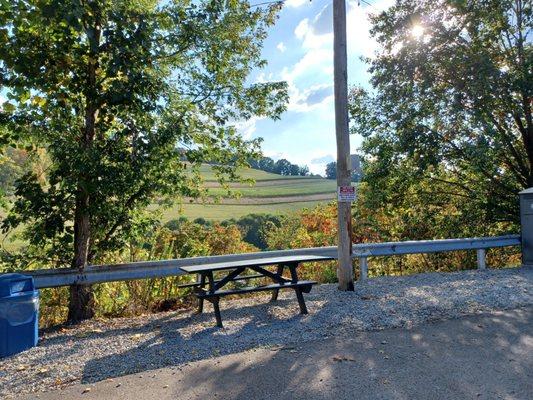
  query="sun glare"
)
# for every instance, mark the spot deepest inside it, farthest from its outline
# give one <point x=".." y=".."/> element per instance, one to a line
<point x="417" y="31"/>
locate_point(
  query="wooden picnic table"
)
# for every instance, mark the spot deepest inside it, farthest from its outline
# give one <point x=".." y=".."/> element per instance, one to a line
<point x="210" y="289"/>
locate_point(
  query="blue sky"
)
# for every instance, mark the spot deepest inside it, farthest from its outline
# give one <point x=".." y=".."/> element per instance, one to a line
<point x="299" y="50"/>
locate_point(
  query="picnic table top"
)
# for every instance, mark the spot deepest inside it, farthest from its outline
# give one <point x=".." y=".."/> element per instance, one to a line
<point x="253" y="262"/>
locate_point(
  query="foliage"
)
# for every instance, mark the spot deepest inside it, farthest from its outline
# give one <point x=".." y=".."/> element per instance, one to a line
<point x="315" y="227"/>
<point x="331" y="172"/>
<point x="177" y="239"/>
<point x="450" y="110"/>
<point x="12" y="166"/>
<point x="109" y="89"/>
<point x="253" y="227"/>
<point x="426" y="211"/>
<point x="375" y="222"/>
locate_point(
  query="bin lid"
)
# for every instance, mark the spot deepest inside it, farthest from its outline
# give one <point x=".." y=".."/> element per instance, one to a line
<point x="12" y="284"/>
<point x="527" y="191"/>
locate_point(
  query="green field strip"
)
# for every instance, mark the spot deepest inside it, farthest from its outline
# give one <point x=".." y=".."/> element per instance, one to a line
<point x="249" y="173"/>
<point x="219" y="212"/>
<point x="311" y="188"/>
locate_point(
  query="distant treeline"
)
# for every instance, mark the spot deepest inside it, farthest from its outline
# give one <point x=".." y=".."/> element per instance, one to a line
<point x="267" y="164"/>
<point x="280" y="167"/>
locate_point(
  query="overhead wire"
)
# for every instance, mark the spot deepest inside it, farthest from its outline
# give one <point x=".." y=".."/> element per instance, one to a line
<point x="265" y="3"/>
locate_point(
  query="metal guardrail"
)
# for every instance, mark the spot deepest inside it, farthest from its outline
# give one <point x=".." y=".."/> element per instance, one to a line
<point x="153" y="269"/>
<point x="159" y="269"/>
<point x="364" y="250"/>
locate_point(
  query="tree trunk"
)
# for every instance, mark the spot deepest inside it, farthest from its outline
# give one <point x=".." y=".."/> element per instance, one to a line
<point x="81" y="305"/>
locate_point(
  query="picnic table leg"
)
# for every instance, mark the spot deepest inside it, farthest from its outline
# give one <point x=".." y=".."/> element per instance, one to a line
<point x="217" y="311"/>
<point x="275" y="292"/>
<point x="298" y="290"/>
<point x="201" y="300"/>
<point x="301" y="301"/>
<point x="214" y="300"/>
<point x="294" y="274"/>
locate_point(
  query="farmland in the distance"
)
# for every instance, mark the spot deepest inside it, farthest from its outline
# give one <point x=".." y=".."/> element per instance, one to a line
<point x="271" y="193"/>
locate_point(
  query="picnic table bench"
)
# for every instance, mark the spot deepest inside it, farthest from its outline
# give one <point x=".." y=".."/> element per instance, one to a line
<point x="207" y="288"/>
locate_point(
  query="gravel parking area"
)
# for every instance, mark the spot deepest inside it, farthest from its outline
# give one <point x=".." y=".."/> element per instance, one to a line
<point x="97" y="350"/>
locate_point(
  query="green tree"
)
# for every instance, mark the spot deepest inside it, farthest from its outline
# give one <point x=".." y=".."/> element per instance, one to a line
<point x="253" y="227"/>
<point x="111" y="88"/>
<point x="331" y="170"/>
<point x="282" y="167"/>
<point x="266" y="164"/>
<point x="451" y="103"/>
<point x="294" y="170"/>
<point x="303" y="171"/>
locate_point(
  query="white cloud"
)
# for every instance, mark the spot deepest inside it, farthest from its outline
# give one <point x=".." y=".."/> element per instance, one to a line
<point x="302" y="28"/>
<point x="311" y="98"/>
<point x="323" y="159"/>
<point x="309" y="62"/>
<point x="305" y="99"/>
<point x="295" y="3"/>
<point x="247" y="128"/>
<point x="319" y="31"/>
<point x="315" y="34"/>
<point x="263" y="78"/>
<point x="281" y="47"/>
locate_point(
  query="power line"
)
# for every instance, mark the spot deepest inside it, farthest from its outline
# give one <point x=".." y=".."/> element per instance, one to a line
<point x="265" y="3"/>
<point x="366" y="3"/>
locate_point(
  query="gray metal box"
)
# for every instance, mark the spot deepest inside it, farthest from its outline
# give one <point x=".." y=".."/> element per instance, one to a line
<point x="526" y="221"/>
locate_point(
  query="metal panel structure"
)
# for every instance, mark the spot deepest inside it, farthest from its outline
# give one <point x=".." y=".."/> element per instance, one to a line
<point x="526" y="222"/>
<point x="160" y="269"/>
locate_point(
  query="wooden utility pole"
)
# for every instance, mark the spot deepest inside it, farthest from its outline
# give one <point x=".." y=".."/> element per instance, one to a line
<point x="344" y="268"/>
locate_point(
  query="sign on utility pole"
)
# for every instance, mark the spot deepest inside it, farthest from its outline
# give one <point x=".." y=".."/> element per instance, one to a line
<point x="344" y="268"/>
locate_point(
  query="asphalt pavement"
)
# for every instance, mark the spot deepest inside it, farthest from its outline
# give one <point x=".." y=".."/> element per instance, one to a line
<point x="487" y="356"/>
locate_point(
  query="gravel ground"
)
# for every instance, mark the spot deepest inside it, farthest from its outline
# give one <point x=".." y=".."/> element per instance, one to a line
<point x="98" y="350"/>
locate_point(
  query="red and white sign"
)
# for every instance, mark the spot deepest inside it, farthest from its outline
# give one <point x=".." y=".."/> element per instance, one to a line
<point x="346" y="193"/>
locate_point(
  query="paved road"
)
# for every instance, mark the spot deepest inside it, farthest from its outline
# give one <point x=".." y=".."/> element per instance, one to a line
<point x="487" y="356"/>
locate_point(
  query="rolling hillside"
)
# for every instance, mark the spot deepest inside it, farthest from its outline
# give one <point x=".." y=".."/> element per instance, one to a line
<point x="271" y="193"/>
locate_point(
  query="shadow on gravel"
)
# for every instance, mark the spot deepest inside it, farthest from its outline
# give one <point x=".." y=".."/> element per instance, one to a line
<point x="169" y="347"/>
<point x="249" y="326"/>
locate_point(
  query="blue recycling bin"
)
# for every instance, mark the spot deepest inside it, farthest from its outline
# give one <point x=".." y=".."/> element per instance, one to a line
<point x="19" y="314"/>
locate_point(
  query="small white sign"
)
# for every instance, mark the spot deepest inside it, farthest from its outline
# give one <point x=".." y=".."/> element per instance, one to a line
<point x="346" y="193"/>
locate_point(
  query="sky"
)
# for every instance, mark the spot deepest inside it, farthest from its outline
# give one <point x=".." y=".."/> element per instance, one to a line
<point x="299" y="50"/>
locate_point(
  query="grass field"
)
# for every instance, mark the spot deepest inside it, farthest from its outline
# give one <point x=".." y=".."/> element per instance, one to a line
<point x="249" y="173"/>
<point x="314" y="186"/>
<point x="219" y="212"/>
<point x="271" y="193"/>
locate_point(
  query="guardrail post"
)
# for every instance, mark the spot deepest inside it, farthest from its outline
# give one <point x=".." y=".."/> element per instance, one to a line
<point x="526" y="223"/>
<point x="481" y="264"/>
<point x="363" y="268"/>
